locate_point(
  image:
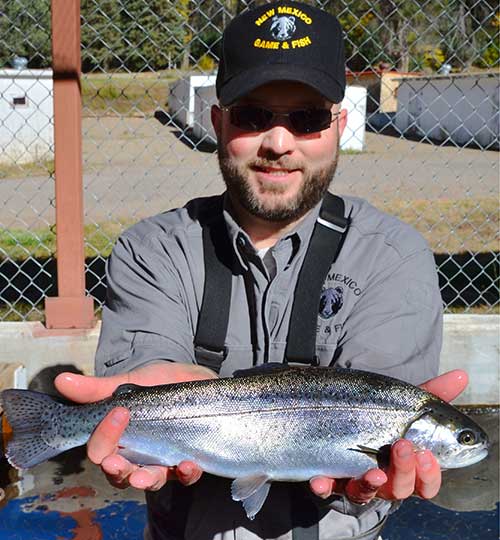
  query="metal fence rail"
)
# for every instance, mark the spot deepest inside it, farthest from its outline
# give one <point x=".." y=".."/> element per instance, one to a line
<point x="423" y="80"/>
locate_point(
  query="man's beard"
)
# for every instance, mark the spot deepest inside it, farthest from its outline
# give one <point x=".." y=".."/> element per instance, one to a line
<point x="314" y="186"/>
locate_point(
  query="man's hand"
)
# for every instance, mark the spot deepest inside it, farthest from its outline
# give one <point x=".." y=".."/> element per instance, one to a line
<point x="103" y="444"/>
<point x="409" y="472"/>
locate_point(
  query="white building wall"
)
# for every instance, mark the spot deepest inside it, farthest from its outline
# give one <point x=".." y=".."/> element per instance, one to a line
<point x="181" y="101"/>
<point x="353" y="138"/>
<point x="460" y="108"/>
<point x="26" y="115"/>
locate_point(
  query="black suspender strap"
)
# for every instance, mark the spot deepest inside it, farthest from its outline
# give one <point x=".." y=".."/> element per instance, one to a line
<point x="304" y="512"/>
<point x="324" y="247"/>
<point x="214" y="313"/>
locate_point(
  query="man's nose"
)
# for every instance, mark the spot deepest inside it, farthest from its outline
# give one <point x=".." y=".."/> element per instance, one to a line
<point x="278" y="140"/>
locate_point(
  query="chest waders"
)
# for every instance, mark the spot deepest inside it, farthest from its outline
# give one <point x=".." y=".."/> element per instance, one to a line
<point x="326" y="241"/>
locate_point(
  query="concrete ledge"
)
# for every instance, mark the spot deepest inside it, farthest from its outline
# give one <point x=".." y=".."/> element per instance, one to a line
<point x="31" y="344"/>
<point x="12" y="375"/>
<point x="471" y="342"/>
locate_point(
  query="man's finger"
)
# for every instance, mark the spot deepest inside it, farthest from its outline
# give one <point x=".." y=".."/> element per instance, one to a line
<point x="448" y="385"/>
<point x="364" y="489"/>
<point x="188" y="472"/>
<point x="402" y="471"/>
<point x="428" y="480"/>
<point x="149" y="478"/>
<point x="104" y="440"/>
<point x="118" y="468"/>
<point x="83" y="389"/>
<point x="322" y="486"/>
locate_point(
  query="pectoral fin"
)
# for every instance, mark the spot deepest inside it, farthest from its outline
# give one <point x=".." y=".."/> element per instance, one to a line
<point x="380" y="456"/>
<point x="252" y="492"/>
<point x="365" y="449"/>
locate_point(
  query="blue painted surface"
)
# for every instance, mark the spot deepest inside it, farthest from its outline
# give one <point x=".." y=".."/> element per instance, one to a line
<point x="118" y="521"/>
<point x="122" y="521"/>
<point x="27" y="519"/>
<point x="421" y="520"/>
<point x="16" y="524"/>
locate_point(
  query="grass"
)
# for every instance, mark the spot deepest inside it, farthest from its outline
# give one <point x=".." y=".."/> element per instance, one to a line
<point x="125" y="94"/>
<point x="450" y="226"/>
<point x="22" y="311"/>
<point x="23" y="170"/>
<point x="19" y="244"/>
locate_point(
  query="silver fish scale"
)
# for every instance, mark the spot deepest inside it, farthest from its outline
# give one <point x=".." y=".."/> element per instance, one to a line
<point x="285" y="389"/>
<point x="292" y="425"/>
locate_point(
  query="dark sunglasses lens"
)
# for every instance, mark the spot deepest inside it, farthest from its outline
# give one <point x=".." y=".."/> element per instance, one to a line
<point x="250" y="118"/>
<point x="310" y="120"/>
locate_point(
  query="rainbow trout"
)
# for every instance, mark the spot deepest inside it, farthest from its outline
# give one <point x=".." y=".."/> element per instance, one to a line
<point x="266" y="424"/>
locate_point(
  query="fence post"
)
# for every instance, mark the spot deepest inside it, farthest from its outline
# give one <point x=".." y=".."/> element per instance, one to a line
<point x="71" y="308"/>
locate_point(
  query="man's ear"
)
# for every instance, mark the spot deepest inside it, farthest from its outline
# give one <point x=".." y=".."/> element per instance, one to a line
<point x="216" y="116"/>
<point x="342" y="121"/>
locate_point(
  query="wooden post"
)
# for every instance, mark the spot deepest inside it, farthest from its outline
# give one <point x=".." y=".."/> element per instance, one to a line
<point x="71" y="309"/>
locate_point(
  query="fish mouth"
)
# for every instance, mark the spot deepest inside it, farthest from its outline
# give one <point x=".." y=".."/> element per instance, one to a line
<point x="471" y="459"/>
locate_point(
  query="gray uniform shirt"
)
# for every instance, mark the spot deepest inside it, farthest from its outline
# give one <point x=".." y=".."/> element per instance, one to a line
<point x="380" y="310"/>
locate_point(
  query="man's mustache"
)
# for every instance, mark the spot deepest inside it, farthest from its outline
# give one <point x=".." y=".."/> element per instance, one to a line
<point x="282" y="163"/>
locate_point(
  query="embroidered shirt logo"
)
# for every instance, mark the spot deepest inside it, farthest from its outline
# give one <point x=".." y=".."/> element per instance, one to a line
<point x="283" y="28"/>
<point x="331" y="301"/>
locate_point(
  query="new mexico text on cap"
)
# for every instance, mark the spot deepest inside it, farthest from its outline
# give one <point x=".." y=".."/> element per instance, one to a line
<point x="282" y="41"/>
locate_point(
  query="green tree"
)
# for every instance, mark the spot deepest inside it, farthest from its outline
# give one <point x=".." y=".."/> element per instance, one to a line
<point x="25" y="31"/>
<point x="101" y="34"/>
<point x="152" y="34"/>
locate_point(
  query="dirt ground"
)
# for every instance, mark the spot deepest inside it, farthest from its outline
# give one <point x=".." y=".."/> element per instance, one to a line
<point x="134" y="167"/>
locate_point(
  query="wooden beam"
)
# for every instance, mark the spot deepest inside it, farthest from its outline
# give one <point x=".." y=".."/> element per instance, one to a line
<point x="71" y="308"/>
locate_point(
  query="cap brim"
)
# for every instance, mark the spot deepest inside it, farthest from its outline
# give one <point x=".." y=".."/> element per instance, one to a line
<point x="245" y="82"/>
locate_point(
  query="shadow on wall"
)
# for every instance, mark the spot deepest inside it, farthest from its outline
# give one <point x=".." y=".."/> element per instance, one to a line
<point x="466" y="279"/>
<point x="185" y="134"/>
<point x="385" y="124"/>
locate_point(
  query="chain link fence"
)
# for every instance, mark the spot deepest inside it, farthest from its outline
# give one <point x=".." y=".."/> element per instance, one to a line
<point x="424" y="94"/>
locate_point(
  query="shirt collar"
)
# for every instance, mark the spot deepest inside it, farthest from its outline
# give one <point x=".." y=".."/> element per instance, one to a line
<point x="298" y="237"/>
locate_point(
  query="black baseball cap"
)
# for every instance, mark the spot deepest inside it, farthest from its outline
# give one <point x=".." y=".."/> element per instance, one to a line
<point x="282" y="41"/>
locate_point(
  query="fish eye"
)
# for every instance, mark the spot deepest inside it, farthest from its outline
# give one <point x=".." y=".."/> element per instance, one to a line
<point x="467" y="437"/>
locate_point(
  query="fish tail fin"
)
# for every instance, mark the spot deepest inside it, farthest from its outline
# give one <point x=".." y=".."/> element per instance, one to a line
<point x="27" y="418"/>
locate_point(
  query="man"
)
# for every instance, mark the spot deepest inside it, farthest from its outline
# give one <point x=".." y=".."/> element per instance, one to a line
<point x="278" y="125"/>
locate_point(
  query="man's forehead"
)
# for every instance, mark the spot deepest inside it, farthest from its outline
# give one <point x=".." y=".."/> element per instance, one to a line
<point x="286" y="93"/>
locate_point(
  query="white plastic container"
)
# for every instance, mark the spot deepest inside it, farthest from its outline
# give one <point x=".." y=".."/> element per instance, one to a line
<point x="26" y="115"/>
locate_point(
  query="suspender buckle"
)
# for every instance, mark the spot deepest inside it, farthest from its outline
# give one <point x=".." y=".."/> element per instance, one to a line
<point x="314" y="361"/>
<point x="209" y="358"/>
<point x="339" y="224"/>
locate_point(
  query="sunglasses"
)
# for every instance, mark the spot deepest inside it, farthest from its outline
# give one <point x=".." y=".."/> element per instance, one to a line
<point x="304" y="121"/>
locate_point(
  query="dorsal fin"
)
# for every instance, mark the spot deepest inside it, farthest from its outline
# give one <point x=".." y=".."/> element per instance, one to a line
<point x="264" y="369"/>
<point x="126" y="388"/>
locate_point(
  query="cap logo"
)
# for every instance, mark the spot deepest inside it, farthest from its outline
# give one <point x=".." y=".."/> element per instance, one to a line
<point x="283" y="27"/>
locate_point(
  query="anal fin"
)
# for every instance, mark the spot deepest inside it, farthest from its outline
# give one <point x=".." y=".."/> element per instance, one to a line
<point x="252" y="491"/>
